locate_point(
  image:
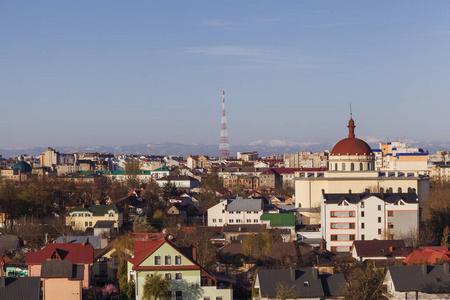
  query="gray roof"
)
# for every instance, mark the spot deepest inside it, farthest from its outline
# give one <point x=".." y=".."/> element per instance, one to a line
<point x="20" y="288"/>
<point x="9" y="243"/>
<point x="356" y="198"/>
<point x="104" y="224"/>
<point x="97" y="210"/>
<point x="243" y="228"/>
<point x="56" y="269"/>
<point x="424" y="278"/>
<point x="62" y="269"/>
<point x="308" y="282"/>
<point x="240" y="204"/>
<point x="95" y="241"/>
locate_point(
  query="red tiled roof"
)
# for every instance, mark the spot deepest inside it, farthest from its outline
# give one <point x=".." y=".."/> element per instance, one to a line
<point x="79" y="253"/>
<point x="428" y="256"/>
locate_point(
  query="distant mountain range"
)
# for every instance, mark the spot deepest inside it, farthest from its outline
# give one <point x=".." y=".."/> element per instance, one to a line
<point x="265" y="148"/>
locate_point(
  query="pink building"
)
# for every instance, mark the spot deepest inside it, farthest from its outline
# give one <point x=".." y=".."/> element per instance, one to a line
<point x="78" y="253"/>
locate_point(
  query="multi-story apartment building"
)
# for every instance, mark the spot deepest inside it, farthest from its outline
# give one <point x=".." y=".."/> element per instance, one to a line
<point x="246" y="182"/>
<point x="248" y="156"/>
<point x="197" y="161"/>
<point x="349" y="217"/>
<point x="306" y="159"/>
<point x="398" y="156"/>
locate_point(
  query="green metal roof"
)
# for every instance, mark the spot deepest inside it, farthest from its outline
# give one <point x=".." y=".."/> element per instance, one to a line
<point x="280" y="219"/>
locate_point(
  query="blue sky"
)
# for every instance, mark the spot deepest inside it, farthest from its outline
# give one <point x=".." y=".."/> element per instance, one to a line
<point x="84" y="73"/>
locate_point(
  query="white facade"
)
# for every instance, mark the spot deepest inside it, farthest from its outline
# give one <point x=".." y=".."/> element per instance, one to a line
<point x="220" y="214"/>
<point x="345" y="219"/>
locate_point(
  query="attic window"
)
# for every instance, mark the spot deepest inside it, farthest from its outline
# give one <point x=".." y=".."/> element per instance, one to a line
<point x="305" y="283"/>
<point x="55" y="256"/>
<point x="438" y="279"/>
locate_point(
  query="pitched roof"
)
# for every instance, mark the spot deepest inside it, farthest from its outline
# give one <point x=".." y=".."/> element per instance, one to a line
<point x="427" y="256"/>
<point x="95" y="241"/>
<point x="62" y="269"/>
<point x="381" y="248"/>
<point x="97" y="210"/>
<point x="9" y="243"/>
<point x="104" y="224"/>
<point x="243" y="228"/>
<point x="423" y="278"/>
<point x="143" y="249"/>
<point x="20" y="288"/>
<point x="307" y="282"/>
<point x="240" y="204"/>
<point x="355" y="198"/>
<point x="78" y="253"/>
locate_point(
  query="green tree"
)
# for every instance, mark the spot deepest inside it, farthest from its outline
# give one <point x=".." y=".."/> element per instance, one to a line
<point x="156" y="287"/>
<point x="169" y="190"/>
<point x="132" y="169"/>
<point x="257" y="247"/>
<point x="140" y="225"/>
<point x="126" y="288"/>
<point x="445" y="234"/>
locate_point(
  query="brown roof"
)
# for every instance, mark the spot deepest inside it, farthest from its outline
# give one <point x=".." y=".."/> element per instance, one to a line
<point x="381" y="248"/>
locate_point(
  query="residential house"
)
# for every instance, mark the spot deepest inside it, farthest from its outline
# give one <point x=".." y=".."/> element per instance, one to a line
<point x="236" y="211"/>
<point x="240" y="232"/>
<point x="62" y="279"/>
<point x="188" y="280"/>
<point x="380" y="250"/>
<point x="197" y="161"/>
<point x="418" y="282"/>
<point x="86" y="216"/>
<point x="306" y="283"/>
<point x="246" y="182"/>
<point x="284" y="222"/>
<point x="247" y="156"/>
<point x="78" y="254"/>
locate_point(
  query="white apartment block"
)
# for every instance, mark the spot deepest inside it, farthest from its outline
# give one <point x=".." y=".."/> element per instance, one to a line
<point x="366" y="216"/>
<point x="236" y="211"/>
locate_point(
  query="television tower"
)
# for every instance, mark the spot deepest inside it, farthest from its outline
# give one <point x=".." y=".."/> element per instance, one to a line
<point x="224" y="148"/>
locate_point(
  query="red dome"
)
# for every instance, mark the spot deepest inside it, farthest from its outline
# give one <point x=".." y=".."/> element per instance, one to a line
<point x="351" y="146"/>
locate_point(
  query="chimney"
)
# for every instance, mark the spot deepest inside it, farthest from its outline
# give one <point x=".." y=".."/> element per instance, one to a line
<point x="292" y="274"/>
<point x="446" y="268"/>
<point x="315" y="274"/>
<point x="194" y="253"/>
<point x="391" y="249"/>
<point x="424" y="269"/>
<point x="83" y="244"/>
<point x="64" y="240"/>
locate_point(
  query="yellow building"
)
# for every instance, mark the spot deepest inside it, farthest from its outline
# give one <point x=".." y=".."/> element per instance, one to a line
<point x="86" y="216"/>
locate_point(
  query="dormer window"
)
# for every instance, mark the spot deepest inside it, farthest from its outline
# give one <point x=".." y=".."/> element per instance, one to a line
<point x="305" y="283"/>
<point x="111" y="214"/>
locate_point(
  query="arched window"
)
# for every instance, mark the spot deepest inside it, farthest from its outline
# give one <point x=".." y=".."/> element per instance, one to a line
<point x="343" y="166"/>
<point x="361" y="166"/>
<point x="399" y="189"/>
<point x="381" y="190"/>
<point x="335" y="167"/>
<point x="409" y="190"/>
<point x="352" y="167"/>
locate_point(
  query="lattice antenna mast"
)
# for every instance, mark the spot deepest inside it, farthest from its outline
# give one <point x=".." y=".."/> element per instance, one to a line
<point x="224" y="148"/>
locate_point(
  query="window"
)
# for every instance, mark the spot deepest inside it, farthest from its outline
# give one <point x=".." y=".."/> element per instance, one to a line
<point x="379" y="230"/>
<point x="362" y="237"/>
<point x="360" y="166"/>
<point x="343" y="166"/>
<point x="231" y="221"/>
<point x="335" y="166"/>
<point x="111" y="214"/>
<point x="351" y="213"/>
<point x="249" y="212"/>
<point x="178" y="260"/>
<point x="391" y="225"/>
<point x="218" y="298"/>
<point x="167" y="260"/>
<point x="157" y="260"/>
<point x="362" y="214"/>
<point x="214" y="220"/>
<point x="206" y="298"/>
<point x="399" y="189"/>
<point x="238" y="220"/>
<point x="255" y="220"/>
<point x="390" y="213"/>
<point x="379" y="219"/>
<point x="86" y="224"/>
<point x="362" y="225"/>
<point x="178" y="276"/>
<point x="352" y="167"/>
<point x="249" y="220"/>
<point x="379" y="207"/>
<point x="305" y="283"/>
<point x="352" y="237"/>
<point x="220" y="220"/>
<point x="334" y="237"/>
<point x="90" y="224"/>
<point x="178" y="295"/>
<point x="168" y="276"/>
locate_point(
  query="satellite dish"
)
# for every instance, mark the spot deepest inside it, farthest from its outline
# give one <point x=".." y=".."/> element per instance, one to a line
<point x="164" y="231"/>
